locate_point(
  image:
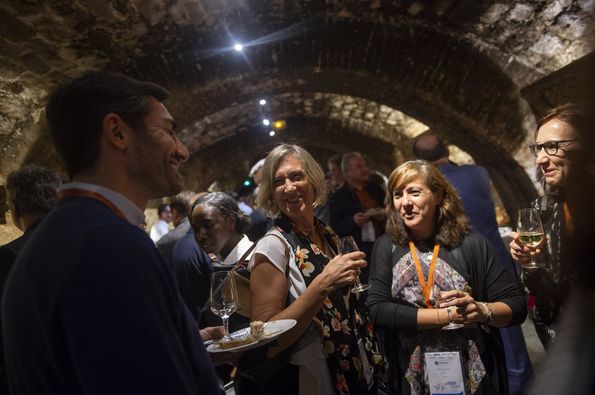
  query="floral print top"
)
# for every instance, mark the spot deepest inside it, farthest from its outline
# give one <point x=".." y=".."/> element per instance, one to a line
<point x="342" y="325"/>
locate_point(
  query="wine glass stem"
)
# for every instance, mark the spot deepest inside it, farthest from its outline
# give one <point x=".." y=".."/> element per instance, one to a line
<point x="225" y="326"/>
<point x="532" y="258"/>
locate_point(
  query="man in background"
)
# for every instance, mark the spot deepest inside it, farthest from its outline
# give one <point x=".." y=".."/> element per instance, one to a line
<point x="161" y="228"/>
<point x="336" y="175"/>
<point x="357" y="208"/>
<point x="192" y="267"/>
<point x="179" y="215"/>
<point x="31" y="194"/>
<point x="472" y="183"/>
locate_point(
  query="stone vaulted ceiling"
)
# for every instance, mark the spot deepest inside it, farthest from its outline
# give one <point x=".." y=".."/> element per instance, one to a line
<point x="345" y="75"/>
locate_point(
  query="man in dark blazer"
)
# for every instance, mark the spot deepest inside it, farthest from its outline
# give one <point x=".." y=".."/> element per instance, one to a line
<point x="356" y="209"/>
<point x="90" y="305"/>
<point x="179" y="205"/>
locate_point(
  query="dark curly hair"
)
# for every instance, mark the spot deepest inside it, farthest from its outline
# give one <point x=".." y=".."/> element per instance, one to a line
<point x="227" y="206"/>
<point x="32" y="190"/>
<point x="451" y="224"/>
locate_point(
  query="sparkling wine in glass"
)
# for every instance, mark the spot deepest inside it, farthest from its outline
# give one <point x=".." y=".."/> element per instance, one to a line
<point x="347" y="244"/>
<point x="530" y="232"/>
<point x="224" y="297"/>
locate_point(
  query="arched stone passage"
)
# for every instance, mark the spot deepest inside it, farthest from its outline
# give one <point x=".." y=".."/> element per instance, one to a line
<point x="456" y="66"/>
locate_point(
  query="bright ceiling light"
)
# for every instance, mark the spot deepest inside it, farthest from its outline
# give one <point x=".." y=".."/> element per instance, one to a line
<point x="272" y="133"/>
<point x="238" y="47"/>
<point x="262" y="102"/>
<point x="266" y="122"/>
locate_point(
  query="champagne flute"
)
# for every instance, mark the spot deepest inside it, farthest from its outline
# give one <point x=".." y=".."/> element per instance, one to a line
<point x="531" y="232"/>
<point x="224" y="297"/>
<point x="347" y="244"/>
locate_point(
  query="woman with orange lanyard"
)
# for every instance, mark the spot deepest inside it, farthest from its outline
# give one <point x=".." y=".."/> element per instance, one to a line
<point x="430" y="271"/>
<point x="559" y="154"/>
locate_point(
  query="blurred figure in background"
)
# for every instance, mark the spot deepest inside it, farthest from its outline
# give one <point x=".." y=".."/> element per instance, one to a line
<point x="256" y="174"/>
<point x="336" y="175"/>
<point x="31" y="193"/>
<point x="192" y="268"/>
<point x="161" y="228"/>
<point x="357" y="207"/>
<point x="180" y="204"/>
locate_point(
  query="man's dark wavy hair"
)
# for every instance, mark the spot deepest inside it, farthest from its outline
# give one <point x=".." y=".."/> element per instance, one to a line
<point x="76" y="110"/>
<point x="32" y="190"/>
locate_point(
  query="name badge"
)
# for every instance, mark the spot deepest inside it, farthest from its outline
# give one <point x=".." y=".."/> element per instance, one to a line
<point x="445" y="376"/>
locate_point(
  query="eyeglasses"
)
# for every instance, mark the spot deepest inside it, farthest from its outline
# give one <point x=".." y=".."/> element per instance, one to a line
<point x="550" y="147"/>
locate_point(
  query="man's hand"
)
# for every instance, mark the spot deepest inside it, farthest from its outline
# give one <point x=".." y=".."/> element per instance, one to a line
<point x="212" y="333"/>
<point x="360" y="219"/>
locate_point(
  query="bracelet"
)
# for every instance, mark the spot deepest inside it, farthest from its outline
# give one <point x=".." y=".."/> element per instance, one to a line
<point x="490" y="316"/>
<point x="438" y="317"/>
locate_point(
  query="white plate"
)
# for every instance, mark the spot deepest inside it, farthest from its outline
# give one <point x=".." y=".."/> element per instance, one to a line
<point x="272" y="330"/>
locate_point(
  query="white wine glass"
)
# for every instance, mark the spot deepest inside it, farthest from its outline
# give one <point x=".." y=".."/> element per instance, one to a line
<point x="224" y="297"/>
<point x="347" y="244"/>
<point x="530" y="232"/>
<point x="451" y="324"/>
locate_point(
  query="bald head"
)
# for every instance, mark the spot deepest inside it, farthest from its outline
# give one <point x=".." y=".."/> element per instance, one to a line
<point x="429" y="146"/>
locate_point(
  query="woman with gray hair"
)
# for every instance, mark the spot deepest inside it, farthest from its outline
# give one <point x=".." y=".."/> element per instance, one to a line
<point x="298" y="274"/>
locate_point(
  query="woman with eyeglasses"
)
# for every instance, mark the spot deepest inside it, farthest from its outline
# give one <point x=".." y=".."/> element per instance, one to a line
<point x="561" y="161"/>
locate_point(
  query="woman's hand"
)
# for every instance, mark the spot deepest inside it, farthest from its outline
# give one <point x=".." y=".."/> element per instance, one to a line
<point x="467" y="310"/>
<point x="342" y="270"/>
<point x="520" y="252"/>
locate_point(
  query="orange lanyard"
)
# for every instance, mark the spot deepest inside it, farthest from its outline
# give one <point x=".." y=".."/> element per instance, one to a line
<point x="568" y="219"/>
<point x="425" y="287"/>
<point x="66" y="193"/>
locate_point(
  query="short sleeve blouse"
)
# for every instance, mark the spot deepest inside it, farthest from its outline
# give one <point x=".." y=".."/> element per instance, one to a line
<point x="275" y="250"/>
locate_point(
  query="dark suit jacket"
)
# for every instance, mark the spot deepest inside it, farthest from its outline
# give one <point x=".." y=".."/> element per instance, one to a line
<point x="91" y="307"/>
<point x="343" y="205"/>
<point x="166" y="244"/>
<point x="8" y="255"/>
<point x="192" y="268"/>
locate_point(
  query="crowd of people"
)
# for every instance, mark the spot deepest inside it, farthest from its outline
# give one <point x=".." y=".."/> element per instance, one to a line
<point x="93" y="304"/>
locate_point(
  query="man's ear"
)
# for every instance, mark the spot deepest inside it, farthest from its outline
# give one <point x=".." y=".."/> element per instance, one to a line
<point x="116" y="131"/>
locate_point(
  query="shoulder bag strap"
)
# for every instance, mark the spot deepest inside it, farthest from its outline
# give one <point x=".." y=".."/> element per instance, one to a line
<point x="242" y="261"/>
